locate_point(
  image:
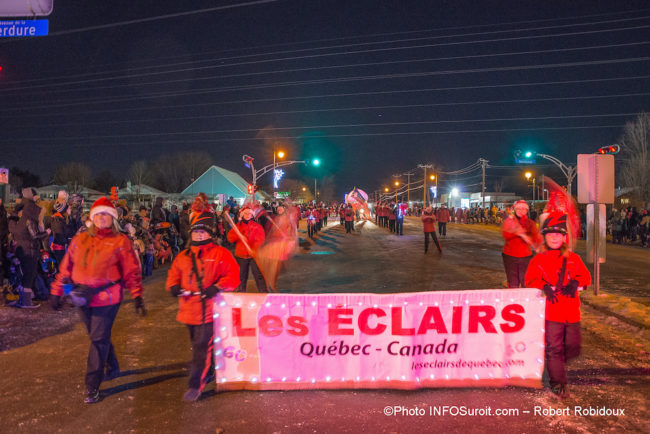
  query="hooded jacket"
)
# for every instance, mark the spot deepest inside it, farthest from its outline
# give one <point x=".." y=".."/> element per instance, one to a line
<point x="215" y="265"/>
<point x="95" y="261"/>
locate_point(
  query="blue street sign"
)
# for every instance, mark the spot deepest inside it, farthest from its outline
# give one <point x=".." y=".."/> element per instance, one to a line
<point x="22" y="28"/>
<point x="525" y="161"/>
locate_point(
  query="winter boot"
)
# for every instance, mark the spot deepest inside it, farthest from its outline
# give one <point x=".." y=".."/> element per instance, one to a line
<point x="192" y="395"/>
<point x="92" y="396"/>
<point x="25" y="301"/>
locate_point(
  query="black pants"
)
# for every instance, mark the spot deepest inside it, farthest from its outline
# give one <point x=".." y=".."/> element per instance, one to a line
<point x="442" y="229"/>
<point x="310" y="230"/>
<point x="325" y="221"/>
<point x="58" y="257"/>
<point x="348" y="227"/>
<point x="391" y="225"/>
<point x="515" y="269"/>
<point x="399" y="226"/>
<point x="101" y="355"/>
<point x="28" y="257"/>
<point x="563" y="342"/>
<point x="435" y="241"/>
<point x="244" y="265"/>
<point x="202" y="365"/>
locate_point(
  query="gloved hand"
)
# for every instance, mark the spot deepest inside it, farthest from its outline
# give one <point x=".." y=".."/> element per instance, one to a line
<point x="211" y="291"/>
<point x="55" y="302"/>
<point x="549" y="293"/>
<point x="176" y="290"/>
<point x="139" y="306"/>
<point x="570" y="289"/>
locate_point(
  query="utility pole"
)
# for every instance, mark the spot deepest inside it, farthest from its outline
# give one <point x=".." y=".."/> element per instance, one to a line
<point x="408" y="185"/>
<point x="424" y="185"/>
<point x="483" y="164"/>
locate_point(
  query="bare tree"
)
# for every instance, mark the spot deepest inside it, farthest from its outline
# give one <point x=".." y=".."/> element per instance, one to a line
<point x="498" y="185"/>
<point x="74" y="175"/>
<point x="139" y="173"/>
<point x="635" y="148"/>
<point x="174" y="172"/>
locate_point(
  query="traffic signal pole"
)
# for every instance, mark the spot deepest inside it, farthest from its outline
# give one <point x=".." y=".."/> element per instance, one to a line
<point x="569" y="171"/>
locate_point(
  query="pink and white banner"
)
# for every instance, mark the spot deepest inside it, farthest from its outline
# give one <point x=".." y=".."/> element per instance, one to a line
<point x="401" y="341"/>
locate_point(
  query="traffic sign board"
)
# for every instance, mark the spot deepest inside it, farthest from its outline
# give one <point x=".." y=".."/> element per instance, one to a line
<point x="525" y="161"/>
<point x="22" y="28"/>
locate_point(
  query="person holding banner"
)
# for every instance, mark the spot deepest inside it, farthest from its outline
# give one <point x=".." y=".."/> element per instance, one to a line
<point x="559" y="273"/>
<point x="248" y="237"/>
<point x="196" y="276"/>
<point x="521" y="237"/>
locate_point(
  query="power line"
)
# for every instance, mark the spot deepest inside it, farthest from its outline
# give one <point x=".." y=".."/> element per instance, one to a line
<point x="258" y="62"/>
<point x="318" y="68"/>
<point x="345" y="79"/>
<point x="296" y="137"/>
<point x="185" y="118"/>
<point x="555" y="19"/>
<point x="337" y="95"/>
<point x="313" y="127"/>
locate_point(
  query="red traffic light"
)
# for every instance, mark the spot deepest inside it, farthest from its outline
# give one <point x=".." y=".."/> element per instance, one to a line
<point x="250" y="189"/>
<point x="610" y="149"/>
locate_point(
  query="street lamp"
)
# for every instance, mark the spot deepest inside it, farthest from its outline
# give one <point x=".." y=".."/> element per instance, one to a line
<point x="385" y="189"/>
<point x="396" y="183"/>
<point x="528" y="175"/>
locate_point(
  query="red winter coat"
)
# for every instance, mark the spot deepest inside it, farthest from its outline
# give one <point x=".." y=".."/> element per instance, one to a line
<point x="443" y="215"/>
<point x="544" y="269"/>
<point x="428" y="222"/>
<point x="349" y="215"/>
<point x="216" y="265"/>
<point x="515" y="245"/>
<point x="98" y="260"/>
<point x="254" y="234"/>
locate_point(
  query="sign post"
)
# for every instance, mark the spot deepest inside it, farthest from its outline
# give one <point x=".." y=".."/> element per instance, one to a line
<point x="596" y="188"/>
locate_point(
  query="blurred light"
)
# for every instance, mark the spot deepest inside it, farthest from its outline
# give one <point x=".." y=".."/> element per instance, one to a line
<point x="396" y="183"/>
<point x="432" y="177"/>
<point x="304" y="189"/>
<point x="528" y="175"/>
<point x="386" y="189"/>
<point x="528" y="154"/>
<point x="454" y="191"/>
<point x="315" y="162"/>
<point x="280" y="154"/>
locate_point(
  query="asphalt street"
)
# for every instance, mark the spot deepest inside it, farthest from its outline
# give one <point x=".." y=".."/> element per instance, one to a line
<point x="42" y="386"/>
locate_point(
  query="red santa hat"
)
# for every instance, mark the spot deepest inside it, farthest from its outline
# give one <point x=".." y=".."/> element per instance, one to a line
<point x="103" y="205"/>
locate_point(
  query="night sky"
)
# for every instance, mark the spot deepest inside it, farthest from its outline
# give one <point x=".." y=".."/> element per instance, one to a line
<point x="373" y="88"/>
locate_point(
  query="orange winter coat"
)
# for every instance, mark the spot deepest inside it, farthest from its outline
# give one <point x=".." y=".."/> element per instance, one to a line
<point x="217" y="267"/>
<point x="254" y="234"/>
<point x="98" y="260"/>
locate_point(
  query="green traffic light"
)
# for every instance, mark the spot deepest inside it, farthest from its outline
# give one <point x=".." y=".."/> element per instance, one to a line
<point x="315" y="162"/>
<point x="528" y="154"/>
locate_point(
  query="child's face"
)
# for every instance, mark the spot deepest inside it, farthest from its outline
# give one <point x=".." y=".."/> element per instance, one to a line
<point x="554" y="240"/>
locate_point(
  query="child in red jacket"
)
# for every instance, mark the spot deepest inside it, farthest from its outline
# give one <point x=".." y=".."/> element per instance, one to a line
<point x="559" y="273"/>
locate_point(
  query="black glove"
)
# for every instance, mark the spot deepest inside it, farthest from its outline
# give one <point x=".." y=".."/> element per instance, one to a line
<point x="570" y="289"/>
<point x="211" y="291"/>
<point x="549" y="293"/>
<point x="139" y="306"/>
<point x="55" y="302"/>
<point x="176" y="290"/>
